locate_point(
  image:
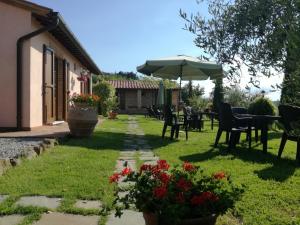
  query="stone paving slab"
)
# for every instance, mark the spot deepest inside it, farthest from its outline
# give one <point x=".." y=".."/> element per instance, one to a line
<point x="67" y="219"/>
<point x="149" y="158"/>
<point x="129" y="217"/>
<point x="39" y="201"/>
<point x="88" y="204"/>
<point x="2" y="198"/>
<point x="11" y="220"/>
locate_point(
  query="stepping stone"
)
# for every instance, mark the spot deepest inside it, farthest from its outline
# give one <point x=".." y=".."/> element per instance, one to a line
<point x="2" y="198"/>
<point x="125" y="185"/>
<point x="67" y="219"/>
<point x="126" y="153"/>
<point x="122" y="194"/>
<point x="128" y="157"/>
<point x="149" y="158"/>
<point x="122" y="163"/>
<point x="88" y="204"/>
<point x="11" y="220"/>
<point x="39" y="201"/>
<point x="129" y="217"/>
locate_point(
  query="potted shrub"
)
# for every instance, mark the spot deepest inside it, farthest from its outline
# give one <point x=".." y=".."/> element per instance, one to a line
<point x="82" y="115"/>
<point x="113" y="106"/>
<point x="182" y="195"/>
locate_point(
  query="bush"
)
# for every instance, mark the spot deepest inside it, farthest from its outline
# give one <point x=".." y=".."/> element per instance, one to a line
<point x="262" y="106"/>
<point x="107" y="95"/>
<point x="198" y="103"/>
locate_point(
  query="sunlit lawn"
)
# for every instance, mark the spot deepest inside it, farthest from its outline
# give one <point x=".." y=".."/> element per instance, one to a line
<point x="272" y="193"/>
<point x="79" y="169"/>
<point x="76" y="169"/>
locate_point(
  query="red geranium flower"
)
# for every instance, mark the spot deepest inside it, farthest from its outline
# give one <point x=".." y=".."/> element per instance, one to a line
<point x="188" y="166"/>
<point x="126" y="171"/>
<point x="205" y="196"/>
<point x="160" y="192"/>
<point x="180" y="197"/>
<point x="164" y="177"/>
<point x="114" y="178"/>
<point x="163" y="165"/>
<point x="183" y="184"/>
<point x="145" y="167"/>
<point x="197" y="200"/>
<point x="219" y="175"/>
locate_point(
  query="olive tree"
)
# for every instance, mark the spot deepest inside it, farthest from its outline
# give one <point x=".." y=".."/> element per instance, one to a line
<point x="264" y="35"/>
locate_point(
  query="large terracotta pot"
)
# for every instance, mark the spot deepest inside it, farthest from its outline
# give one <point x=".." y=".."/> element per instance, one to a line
<point x="112" y="115"/>
<point x="82" y="120"/>
<point x="152" y="219"/>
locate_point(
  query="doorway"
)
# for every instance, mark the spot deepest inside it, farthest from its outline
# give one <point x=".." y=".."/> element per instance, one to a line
<point x="55" y="87"/>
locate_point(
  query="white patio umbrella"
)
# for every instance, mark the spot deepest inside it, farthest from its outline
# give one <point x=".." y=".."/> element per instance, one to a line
<point x="183" y="67"/>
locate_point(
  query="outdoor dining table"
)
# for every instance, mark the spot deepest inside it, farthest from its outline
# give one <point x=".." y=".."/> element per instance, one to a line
<point x="261" y="122"/>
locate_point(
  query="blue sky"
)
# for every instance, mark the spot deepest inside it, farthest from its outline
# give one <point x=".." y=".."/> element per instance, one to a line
<point x="122" y="34"/>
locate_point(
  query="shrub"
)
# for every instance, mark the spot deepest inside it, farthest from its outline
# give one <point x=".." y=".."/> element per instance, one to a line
<point x="198" y="103"/>
<point x="262" y="106"/>
<point x="107" y="95"/>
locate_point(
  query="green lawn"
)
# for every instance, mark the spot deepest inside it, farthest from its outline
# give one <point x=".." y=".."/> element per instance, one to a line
<point x="79" y="169"/>
<point x="76" y="169"/>
<point x="272" y="193"/>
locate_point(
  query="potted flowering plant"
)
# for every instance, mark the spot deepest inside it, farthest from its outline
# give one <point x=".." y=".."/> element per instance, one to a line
<point x="180" y="195"/>
<point x="82" y="115"/>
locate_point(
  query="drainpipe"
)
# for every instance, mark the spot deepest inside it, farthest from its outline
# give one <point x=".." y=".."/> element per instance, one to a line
<point x="20" y="42"/>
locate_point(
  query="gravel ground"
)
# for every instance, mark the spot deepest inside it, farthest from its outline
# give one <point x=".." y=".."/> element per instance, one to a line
<point x="15" y="147"/>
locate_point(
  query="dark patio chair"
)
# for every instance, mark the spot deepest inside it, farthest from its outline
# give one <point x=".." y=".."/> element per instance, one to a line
<point x="193" y="119"/>
<point x="171" y="120"/>
<point x="150" y="112"/>
<point x="232" y="125"/>
<point x="290" y="119"/>
<point x="157" y="112"/>
<point x="239" y="110"/>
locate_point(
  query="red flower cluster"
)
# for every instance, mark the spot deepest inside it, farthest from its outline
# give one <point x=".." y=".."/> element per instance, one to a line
<point x="160" y="192"/>
<point x="205" y="196"/>
<point x="183" y="184"/>
<point x="163" y="165"/>
<point x="116" y="176"/>
<point x="188" y="166"/>
<point x="164" y="178"/>
<point x="126" y="171"/>
<point x="219" y="175"/>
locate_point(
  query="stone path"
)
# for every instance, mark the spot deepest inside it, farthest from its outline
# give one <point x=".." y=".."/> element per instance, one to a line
<point x="135" y="147"/>
<point x="53" y="218"/>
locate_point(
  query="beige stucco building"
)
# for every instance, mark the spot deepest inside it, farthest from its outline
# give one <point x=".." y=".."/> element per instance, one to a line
<point x="40" y="61"/>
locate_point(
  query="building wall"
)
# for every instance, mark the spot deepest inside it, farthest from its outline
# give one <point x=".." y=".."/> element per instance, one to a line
<point x="148" y="98"/>
<point x="36" y="75"/>
<point x="14" y="23"/>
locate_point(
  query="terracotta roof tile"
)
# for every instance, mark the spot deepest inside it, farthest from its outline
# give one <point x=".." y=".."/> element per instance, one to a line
<point x="133" y="84"/>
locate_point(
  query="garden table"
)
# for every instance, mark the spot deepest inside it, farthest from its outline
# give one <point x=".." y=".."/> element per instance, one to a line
<point x="261" y="122"/>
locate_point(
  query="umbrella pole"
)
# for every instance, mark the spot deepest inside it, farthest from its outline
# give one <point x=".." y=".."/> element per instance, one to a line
<point x="179" y="96"/>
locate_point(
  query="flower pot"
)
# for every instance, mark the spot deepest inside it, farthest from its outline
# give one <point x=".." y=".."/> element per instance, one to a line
<point x="82" y="120"/>
<point x="209" y="220"/>
<point x="112" y="115"/>
<point x="152" y="219"/>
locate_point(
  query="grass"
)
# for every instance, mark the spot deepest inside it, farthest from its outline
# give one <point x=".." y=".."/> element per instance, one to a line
<point x="79" y="168"/>
<point x="75" y="169"/>
<point x="272" y="193"/>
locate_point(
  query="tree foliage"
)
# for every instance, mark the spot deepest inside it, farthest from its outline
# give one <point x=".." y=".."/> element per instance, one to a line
<point x="236" y="97"/>
<point x="262" y="34"/>
<point x="190" y="91"/>
<point x="218" y="94"/>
